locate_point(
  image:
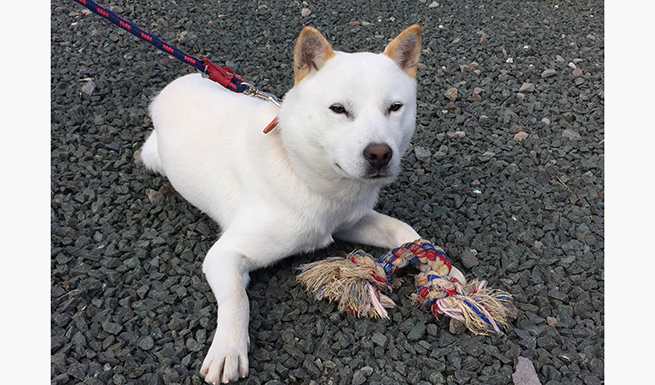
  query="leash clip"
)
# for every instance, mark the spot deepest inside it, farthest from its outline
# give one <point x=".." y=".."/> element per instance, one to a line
<point x="253" y="91"/>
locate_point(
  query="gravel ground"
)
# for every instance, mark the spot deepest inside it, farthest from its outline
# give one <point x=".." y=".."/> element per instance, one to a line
<point x="508" y="177"/>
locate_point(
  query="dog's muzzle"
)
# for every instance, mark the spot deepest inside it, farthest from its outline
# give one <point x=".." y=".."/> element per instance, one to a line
<point x="378" y="157"/>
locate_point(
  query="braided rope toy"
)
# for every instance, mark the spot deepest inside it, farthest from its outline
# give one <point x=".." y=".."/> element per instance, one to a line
<point x="358" y="284"/>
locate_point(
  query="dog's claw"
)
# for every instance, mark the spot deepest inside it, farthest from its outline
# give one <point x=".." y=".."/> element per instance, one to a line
<point x="225" y="362"/>
<point x="454" y="272"/>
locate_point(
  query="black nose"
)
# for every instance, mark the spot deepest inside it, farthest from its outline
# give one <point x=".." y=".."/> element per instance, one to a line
<point x="378" y="155"/>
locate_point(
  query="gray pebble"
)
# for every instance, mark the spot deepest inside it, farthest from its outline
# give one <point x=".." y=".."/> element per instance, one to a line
<point x="359" y="377"/>
<point x="88" y="87"/>
<point x="422" y="153"/>
<point x="548" y="73"/>
<point x="571" y="134"/>
<point x="111" y="327"/>
<point x="417" y="332"/>
<point x="146" y="343"/>
<point x="380" y="339"/>
<point x="468" y="259"/>
<point x="527" y="87"/>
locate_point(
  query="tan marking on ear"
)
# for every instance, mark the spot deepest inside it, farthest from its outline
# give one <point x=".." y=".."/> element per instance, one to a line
<point x="405" y="50"/>
<point x="311" y="53"/>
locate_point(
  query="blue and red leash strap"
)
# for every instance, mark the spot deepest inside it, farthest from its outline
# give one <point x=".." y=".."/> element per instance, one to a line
<point x="222" y="75"/>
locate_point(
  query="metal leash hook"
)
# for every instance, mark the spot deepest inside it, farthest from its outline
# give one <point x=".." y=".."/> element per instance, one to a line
<point x="253" y="91"/>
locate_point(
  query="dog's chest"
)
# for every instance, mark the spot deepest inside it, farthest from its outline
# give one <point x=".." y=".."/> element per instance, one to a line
<point x="316" y="230"/>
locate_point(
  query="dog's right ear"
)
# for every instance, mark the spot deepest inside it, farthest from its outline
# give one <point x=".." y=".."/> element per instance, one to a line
<point x="311" y="53"/>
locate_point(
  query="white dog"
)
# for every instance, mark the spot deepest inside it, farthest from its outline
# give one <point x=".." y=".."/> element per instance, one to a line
<point x="341" y="133"/>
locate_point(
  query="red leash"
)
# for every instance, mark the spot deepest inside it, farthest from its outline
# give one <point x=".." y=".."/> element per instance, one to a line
<point x="221" y="75"/>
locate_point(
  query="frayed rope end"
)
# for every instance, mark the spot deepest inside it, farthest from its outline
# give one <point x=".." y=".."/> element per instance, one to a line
<point x="484" y="311"/>
<point x="354" y="283"/>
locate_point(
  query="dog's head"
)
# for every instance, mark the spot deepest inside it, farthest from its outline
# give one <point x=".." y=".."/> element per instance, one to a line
<point x="351" y="116"/>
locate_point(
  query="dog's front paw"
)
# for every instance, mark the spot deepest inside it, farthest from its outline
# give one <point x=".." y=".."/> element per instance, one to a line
<point x="226" y="360"/>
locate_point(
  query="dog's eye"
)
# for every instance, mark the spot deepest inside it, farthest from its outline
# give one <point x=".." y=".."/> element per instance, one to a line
<point x="338" y="109"/>
<point x="395" y="107"/>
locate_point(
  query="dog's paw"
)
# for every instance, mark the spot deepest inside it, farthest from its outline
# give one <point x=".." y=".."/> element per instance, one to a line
<point x="226" y="360"/>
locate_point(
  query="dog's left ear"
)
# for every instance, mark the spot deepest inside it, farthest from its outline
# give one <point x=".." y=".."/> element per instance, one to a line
<point x="311" y="53"/>
<point x="405" y="49"/>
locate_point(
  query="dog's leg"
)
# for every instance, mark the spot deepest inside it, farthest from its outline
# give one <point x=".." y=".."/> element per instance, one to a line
<point x="150" y="154"/>
<point x="228" y="274"/>
<point x="379" y="230"/>
<point x="384" y="231"/>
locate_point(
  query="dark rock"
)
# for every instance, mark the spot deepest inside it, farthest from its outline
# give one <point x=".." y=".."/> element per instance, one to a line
<point x="417" y="332"/>
<point x="146" y="343"/>
<point x="468" y="259"/>
<point x="111" y="327"/>
<point x="380" y="339"/>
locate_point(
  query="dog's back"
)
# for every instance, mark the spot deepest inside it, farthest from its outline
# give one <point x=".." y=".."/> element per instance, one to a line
<point x="201" y="141"/>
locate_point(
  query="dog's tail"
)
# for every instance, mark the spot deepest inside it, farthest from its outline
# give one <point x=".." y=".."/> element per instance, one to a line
<point x="150" y="154"/>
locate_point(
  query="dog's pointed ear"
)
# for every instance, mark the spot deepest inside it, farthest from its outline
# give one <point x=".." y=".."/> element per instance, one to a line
<point x="311" y="53"/>
<point x="405" y="49"/>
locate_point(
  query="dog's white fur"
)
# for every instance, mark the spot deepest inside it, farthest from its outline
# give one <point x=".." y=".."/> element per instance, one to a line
<point x="296" y="188"/>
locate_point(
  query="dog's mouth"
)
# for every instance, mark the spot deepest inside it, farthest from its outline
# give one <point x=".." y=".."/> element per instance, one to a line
<point x="372" y="174"/>
<point x="377" y="175"/>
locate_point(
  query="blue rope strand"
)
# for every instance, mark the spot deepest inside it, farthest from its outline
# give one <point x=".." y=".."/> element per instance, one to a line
<point x="484" y="317"/>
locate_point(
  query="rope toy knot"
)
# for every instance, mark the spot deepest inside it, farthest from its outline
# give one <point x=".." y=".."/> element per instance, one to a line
<point x="360" y="284"/>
